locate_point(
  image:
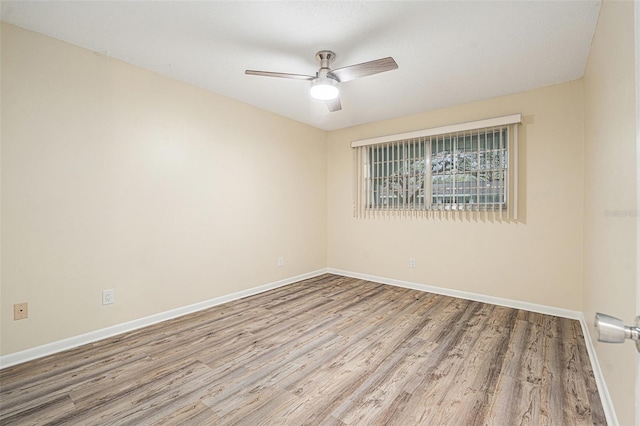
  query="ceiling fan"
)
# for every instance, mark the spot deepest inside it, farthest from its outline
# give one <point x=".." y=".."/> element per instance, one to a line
<point x="324" y="85"/>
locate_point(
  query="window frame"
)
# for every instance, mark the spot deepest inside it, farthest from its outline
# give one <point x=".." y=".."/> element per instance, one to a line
<point x="368" y="183"/>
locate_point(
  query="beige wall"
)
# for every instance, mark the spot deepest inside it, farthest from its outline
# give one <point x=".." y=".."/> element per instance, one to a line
<point x="115" y="177"/>
<point x="537" y="260"/>
<point x="610" y="186"/>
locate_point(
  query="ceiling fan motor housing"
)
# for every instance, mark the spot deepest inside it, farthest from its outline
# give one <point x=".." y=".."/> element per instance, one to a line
<point x="326" y="57"/>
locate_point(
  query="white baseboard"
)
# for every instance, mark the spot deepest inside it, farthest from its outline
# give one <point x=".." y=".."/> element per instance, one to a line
<point x="605" y="397"/>
<point x="607" y="403"/>
<point x="543" y="309"/>
<point x="93" y="336"/>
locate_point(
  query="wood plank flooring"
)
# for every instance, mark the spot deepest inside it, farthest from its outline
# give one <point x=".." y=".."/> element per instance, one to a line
<point x="325" y="351"/>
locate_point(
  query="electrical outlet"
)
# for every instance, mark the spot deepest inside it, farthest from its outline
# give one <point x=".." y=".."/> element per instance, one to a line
<point x="108" y="297"/>
<point x="20" y="311"/>
<point x="412" y="263"/>
<point x="280" y="262"/>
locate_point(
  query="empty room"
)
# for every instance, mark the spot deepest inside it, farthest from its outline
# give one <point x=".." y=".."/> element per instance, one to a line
<point x="319" y="212"/>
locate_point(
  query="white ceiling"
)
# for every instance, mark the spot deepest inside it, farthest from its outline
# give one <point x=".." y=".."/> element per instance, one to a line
<point x="448" y="52"/>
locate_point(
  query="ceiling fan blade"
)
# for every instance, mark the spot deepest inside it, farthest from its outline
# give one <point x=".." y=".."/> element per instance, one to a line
<point x="364" y="69"/>
<point x="334" y="104"/>
<point x="280" y="75"/>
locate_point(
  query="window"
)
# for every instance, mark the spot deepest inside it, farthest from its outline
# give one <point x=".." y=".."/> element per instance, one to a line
<point x="467" y="167"/>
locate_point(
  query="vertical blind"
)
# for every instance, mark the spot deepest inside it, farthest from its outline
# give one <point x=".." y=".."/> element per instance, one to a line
<point x="470" y="168"/>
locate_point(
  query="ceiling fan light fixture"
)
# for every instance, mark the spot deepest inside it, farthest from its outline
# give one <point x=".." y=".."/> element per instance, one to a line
<point x="324" y="89"/>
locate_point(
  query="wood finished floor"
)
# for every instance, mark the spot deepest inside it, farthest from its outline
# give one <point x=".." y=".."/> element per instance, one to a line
<point x="329" y="350"/>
